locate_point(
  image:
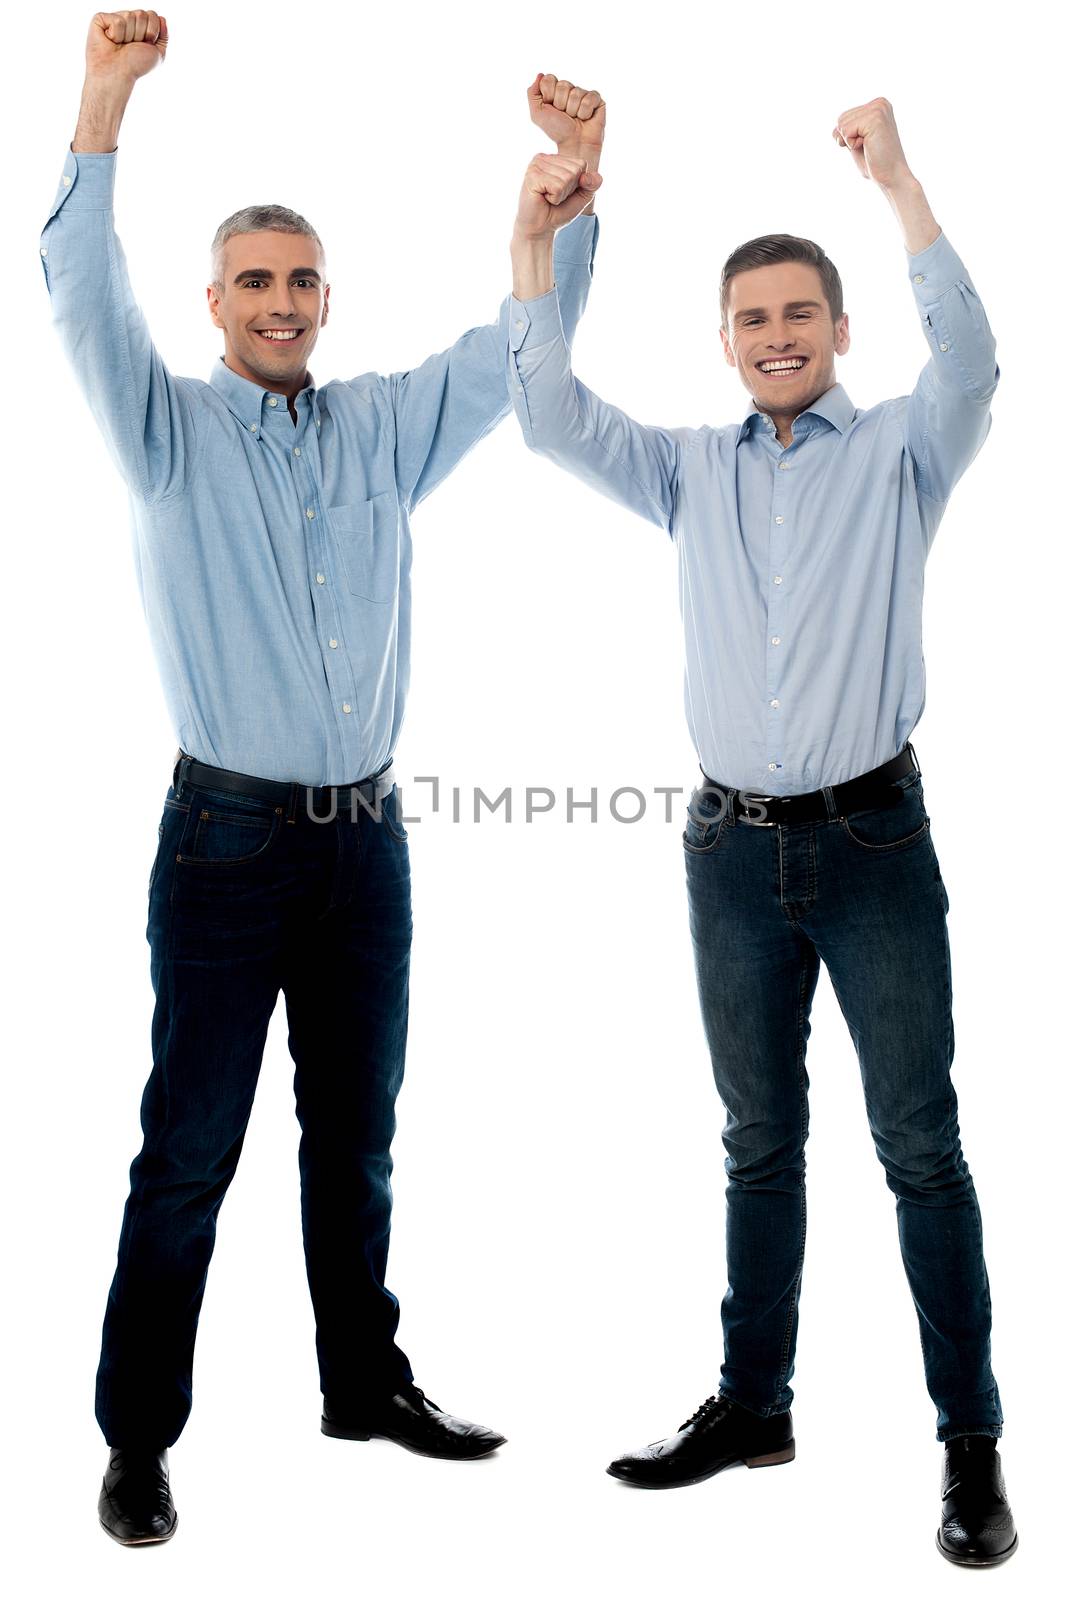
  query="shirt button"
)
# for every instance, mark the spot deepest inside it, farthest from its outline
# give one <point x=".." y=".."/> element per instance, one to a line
<point x="772" y="766"/>
<point x="271" y="399"/>
<point x="919" y="278"/>
<point x="332" y="644"/>
<point x="317" y="423"/>
<point x="783" y="465"/>
<point x="44" y="249"/>
<point x="319" y="577"/>
<point x="778" y="519"/>
<point x="518" y="323"/>
<point x="777" y="578"/>
<point x="774" y="704"/>
<point x="66" y="181"/>
<point x="253" y="426"/>
<point x="944" y="347"/>
<point x="310" y="513"/>
<point x="345" y="706"/>
<point x="297" y="451"/>
<point x="775" y="639"/>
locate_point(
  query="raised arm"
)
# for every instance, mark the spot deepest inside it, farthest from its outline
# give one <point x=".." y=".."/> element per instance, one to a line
<point x="559" y="417"/>
<point x="449" y="402"/>
<point x="948" y="415"/>
<point x="141" y="410"/>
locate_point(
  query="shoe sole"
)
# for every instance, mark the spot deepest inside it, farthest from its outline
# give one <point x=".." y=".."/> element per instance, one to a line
<point x="773" y="1458"/>
<point x="132" y="1544"/>
<point x="337" y="1430"/>
<point x="960" y="1560"/>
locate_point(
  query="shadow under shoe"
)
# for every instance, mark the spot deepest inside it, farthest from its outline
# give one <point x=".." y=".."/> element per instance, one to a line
<point x="409" y="1419"/>
<point x="719" y="1434"/>
<point x="135" y="1504"/>
<point x="976" y="1528"/>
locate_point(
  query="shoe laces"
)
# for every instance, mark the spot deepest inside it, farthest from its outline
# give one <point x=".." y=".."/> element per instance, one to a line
<point x="701" y="1413"/>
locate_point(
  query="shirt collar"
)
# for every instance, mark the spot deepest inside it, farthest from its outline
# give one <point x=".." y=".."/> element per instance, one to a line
<point x="246" y="399"/>
<point x="834" y="406"/>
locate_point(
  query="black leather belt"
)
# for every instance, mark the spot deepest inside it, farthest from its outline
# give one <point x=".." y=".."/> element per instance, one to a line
<point x="321" y="799"/>
<point x="875" y="788"/>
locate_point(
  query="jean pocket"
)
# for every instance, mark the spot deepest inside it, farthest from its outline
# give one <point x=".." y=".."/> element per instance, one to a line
<point x="227" y="832"/>
<point x="893" y="826"/>
<point x="392" y="815"/>
<point x="367" y="539"/>
<point x="707" y="822"/>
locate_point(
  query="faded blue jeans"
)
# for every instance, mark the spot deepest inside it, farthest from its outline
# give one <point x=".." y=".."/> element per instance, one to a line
<point x="863" y="893"/>
<point x="246" y="900"/>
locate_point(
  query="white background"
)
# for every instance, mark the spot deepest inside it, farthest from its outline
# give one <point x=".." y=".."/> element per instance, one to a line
<point x="558" y="1226"/>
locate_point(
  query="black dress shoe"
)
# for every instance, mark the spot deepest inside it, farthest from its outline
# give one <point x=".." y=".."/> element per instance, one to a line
<point x="135" y="1505"/>
<point x="719" y="1434"/>
<point x="410" y="1419"/>
<point x="977" y="1524"/>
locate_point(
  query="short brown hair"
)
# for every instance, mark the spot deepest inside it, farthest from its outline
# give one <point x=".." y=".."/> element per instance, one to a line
<point x="771" y="248"/>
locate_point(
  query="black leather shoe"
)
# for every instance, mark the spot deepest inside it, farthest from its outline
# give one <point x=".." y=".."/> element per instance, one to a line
<point x="719" y="1434"/>
<point x="135" y="1505"/>
<point x="408" y="1418"/>
<point x="977" y="1525"/>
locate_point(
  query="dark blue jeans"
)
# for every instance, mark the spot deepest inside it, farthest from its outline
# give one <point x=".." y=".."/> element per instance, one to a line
<point x="246" y="900"/>
<point x="863" y="893"/>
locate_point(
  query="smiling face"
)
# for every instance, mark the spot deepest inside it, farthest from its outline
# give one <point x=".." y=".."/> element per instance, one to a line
<point x="781" y="337"/>
<point x="273" y="301"/>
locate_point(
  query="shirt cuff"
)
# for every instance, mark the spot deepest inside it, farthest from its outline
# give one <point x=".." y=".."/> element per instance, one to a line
<point x="87" y="182"/>
<point x="535" y="322"/>
<point x="575" y="243"/>
<point x="934" y="269"/>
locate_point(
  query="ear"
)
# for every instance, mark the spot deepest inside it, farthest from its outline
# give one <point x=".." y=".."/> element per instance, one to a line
<point x="729" y="357"/>
<point x="325" y="306"/>
<point x="213" y="305"/>
<point x="843" y="335"/>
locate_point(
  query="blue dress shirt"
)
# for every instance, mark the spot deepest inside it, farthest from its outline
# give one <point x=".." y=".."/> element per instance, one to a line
<point x="273" y="560"/>
<point x="801" y="568"/>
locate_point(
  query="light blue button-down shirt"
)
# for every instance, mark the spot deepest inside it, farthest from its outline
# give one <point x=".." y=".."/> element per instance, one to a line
<point x="801" y="568"/>
<point x="273" y="560"/>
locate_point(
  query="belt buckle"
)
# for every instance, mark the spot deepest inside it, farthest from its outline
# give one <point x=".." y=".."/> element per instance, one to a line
<point x="758" y="800"/>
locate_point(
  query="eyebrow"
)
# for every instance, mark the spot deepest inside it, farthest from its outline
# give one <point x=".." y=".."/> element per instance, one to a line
<point x="264" y="272"/>
<point x="792" y="305"/>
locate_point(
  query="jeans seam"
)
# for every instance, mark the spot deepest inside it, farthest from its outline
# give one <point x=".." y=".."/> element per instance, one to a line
<point x="804" y="1127"/>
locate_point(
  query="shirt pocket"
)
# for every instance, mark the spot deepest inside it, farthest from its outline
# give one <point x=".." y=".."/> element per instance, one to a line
<point x="367" y="538"/>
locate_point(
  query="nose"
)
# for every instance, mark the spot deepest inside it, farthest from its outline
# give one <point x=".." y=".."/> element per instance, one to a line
<point x="281" y="301"/>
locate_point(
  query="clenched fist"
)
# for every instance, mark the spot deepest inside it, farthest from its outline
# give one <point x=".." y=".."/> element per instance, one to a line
<point x="574" y="118"/>
<point x="124" y="45"/>
<point x="556" y="189"/>
<point x="870" y="134"/>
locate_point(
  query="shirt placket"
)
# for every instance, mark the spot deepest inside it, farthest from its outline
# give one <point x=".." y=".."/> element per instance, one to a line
<point x="305" y="463"/>
<point x="778" y="641"/>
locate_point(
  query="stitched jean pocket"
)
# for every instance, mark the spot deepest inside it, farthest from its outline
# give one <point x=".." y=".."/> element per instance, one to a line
<point x="893" y="826"/>
<point x="707" y="822"/>
<point x="227" y="833"/>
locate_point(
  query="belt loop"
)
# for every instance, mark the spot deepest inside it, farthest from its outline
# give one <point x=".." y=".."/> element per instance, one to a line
<point x="730" y="803"/>
<point x="178" y="776"/>
<point x="293" y="791"/>
<point x="913" y="753"/>
<point x="830" y="802"/>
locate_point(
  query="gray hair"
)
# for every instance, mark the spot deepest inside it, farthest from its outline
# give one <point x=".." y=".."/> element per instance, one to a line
<point x="257" y="219"/>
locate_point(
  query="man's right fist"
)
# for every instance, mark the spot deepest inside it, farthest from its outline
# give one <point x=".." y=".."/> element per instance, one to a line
<point x="556" y="189"/>
<point x="123" y="45"/>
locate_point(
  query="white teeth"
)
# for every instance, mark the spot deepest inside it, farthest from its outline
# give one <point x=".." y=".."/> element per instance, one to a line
<point x="793" y="365"/>
<point x="278" y="333"/>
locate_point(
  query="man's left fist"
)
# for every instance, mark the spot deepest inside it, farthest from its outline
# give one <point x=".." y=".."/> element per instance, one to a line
<point x="870" y="134"/>
<point x="575" y="118"/>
